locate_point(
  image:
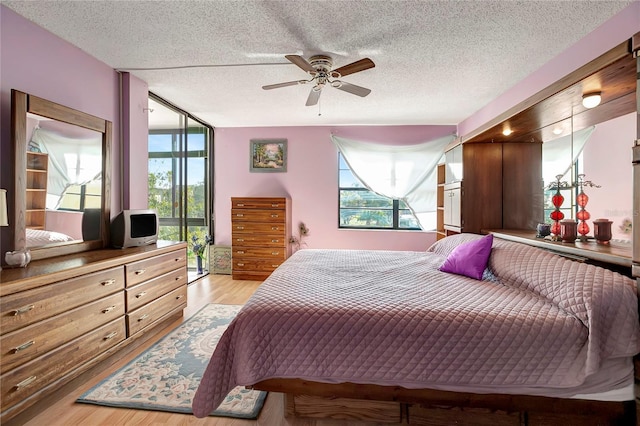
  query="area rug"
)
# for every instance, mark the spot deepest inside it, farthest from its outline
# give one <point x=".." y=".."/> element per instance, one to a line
<point x="166" y="376"/>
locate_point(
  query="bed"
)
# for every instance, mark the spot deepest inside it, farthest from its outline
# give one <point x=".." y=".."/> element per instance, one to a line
<point x="41" y="237"/>
<point x="391" y="325"/>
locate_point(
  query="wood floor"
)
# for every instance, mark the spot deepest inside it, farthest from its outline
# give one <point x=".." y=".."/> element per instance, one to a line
<point x="64" y="411"/>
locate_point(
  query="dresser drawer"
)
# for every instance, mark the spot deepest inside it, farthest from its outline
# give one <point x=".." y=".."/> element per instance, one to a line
<point x="27" y="307"/>
<point x="153" y="311"/>
<point x="17" y="384"/>
<point x="258" y="203"/>
<point x="32" y="341"/>
<point x="271" y="229"/>
<point x="268" y="254"/>
<point x="264" y="216"/>
<point x="259" y="265"/>
<point x="143" y="270"/>
<point x="154" y="288"/>
<point x="259" y="240"/>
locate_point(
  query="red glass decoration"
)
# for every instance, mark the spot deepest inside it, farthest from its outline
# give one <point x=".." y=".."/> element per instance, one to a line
<point x="557" y="215"/>
<point x="581" y="200"/>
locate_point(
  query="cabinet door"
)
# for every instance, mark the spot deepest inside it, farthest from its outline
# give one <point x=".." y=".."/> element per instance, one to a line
<point x="452" y="207"/>
<point x="456" y="211"/>
<point x="453" y="163"/>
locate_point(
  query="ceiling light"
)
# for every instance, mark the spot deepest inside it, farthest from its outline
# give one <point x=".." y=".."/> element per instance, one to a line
<point x="507" y="132"/>
<point x="557" y="131"/>
<point x="591" y="100"/>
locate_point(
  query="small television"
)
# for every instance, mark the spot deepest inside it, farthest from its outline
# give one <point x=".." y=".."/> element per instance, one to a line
<point x="133" y="228"/>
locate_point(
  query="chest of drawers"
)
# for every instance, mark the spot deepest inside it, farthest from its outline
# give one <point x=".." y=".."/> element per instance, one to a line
<point x="260" y="232"/>
<point x="60" y="316"/>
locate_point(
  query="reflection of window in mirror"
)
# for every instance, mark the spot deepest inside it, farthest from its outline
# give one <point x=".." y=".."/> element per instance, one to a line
<point x="605" y="158"/>
<point x="73" y="176"/>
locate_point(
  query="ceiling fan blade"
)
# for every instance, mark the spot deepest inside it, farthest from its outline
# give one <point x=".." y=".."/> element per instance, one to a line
<point x="288" y="83"/>
<point x="351" y="88"/>
<point x="301" y="62"/>
<point x="314" y="95"/>
<point x="361" y="65"/>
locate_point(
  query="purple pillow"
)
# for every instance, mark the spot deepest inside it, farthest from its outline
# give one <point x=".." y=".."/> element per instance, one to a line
<point x="470" y="258"/>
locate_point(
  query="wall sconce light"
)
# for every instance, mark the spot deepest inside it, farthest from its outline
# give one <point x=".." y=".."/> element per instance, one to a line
<point x="591" y="100"/>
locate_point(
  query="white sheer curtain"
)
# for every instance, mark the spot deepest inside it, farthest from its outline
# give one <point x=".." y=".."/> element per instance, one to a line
<point x="71" y="161"/>
<point x="404" y="172"/>
<point x="558" y="155"/>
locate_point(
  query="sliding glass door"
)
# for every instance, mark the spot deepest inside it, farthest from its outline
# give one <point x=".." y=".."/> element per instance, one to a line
<point x="179" y="176"/>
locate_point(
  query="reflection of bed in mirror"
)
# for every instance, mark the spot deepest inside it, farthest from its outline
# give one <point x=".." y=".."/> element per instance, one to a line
<point x="73" y="176"/>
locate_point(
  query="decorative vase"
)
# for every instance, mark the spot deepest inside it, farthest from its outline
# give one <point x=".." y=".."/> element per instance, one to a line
<point x="199" y="264"/>
<point x="19" y="258"/>
<point x="542" y="230"/>
<point x="602" y="230"/>
<point x="569" y="230"/>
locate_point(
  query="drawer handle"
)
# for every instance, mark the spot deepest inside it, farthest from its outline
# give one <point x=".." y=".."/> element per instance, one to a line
<point x="239" y="227"/>
<point x="179" y="277"/>
<point x="144" y="317"/>
<point x="23" y="310"/>
<point x="240" y="252"/>
<point x="178" y="259"/>
<point x="140" y="271"/>
<point x="240" y="264"/>
<point x="26" y="382"/>
<point x="110" y="336"/>
<point x="239" y="239"/>
<point x="275" y="266"/>
<point x="109" y="309"/>
<point x="275" y="205"/>
<point x="275" y="241"/>
<point x="179" y="296"/>
<point x="110" y="281"/>
<point x="240" y="204"/>
<point x="274" y="228"/>
<point x="275" y="215"/>
<point x="275" y="253"/>
<point x="240" y="214"/>
<point x="139" y="295"/>
<point x="23" y="346"/>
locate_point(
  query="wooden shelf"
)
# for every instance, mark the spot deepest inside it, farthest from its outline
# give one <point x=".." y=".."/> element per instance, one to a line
<point x="615" y="253"/>
<point x="36" y="191"/>
<point x="440" y="232"/>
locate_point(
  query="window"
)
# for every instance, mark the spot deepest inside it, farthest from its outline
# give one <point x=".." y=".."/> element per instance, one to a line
<point x="361" y="208"/>
<point x="179" y="173"/>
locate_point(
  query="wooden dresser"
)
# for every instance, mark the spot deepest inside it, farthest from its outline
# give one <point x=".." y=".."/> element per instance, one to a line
<point x="260" y="232"/>
<point x="61" y="316"/>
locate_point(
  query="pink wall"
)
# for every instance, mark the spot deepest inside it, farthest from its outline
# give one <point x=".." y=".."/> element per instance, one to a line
<point x="613" y="32"/>
<point x="311" y="181"/>
<point x="69" y="223"/>
<point x="135" y="132"/>
<point x="34" y="61"/>
<point x="607" y="162"/>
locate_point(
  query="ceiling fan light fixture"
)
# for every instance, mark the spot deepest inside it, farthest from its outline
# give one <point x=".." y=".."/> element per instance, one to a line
<point x="591" y="100"/>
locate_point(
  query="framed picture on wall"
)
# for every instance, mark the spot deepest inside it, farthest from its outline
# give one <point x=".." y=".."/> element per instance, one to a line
<point x="268" y="155"/>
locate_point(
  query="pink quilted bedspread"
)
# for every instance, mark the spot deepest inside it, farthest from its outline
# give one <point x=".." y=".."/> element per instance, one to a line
<point x="537" y="323"/>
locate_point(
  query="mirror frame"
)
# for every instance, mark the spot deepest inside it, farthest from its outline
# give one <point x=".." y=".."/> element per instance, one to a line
<point x="21" y="104"/>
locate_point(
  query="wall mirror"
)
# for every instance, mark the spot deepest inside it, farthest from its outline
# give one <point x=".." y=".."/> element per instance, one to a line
<point x="62" y="178"/>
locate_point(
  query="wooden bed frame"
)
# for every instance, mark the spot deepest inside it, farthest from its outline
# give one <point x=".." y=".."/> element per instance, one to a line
<point x="397" y="405"/>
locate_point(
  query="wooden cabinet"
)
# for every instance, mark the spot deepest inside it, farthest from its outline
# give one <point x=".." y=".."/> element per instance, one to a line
<point x="260" y="232"/>
<point x="36" y="196"/>
<point x="61" y="316"/>
<point x="501" y="187"/>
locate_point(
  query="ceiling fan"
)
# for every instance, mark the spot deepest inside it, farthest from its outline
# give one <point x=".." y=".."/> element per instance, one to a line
<point x="319" y="68"/>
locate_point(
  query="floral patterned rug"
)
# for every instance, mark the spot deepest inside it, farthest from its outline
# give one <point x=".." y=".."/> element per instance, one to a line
<point x="165" y="377"/>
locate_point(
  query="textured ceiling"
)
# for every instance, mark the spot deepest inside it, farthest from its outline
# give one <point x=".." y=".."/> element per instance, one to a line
<point x="437" y="62"/>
